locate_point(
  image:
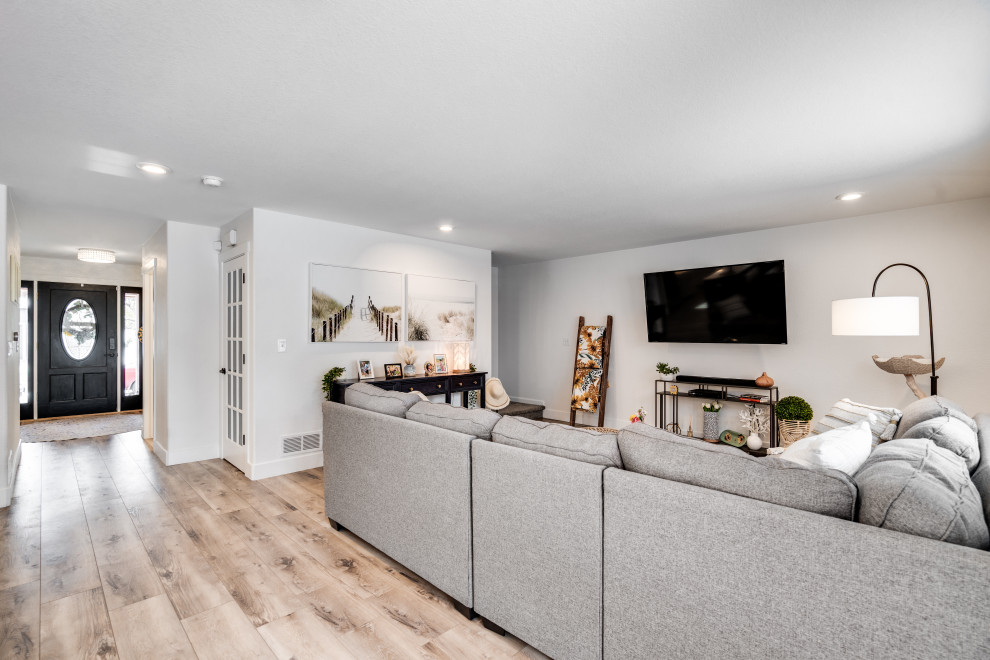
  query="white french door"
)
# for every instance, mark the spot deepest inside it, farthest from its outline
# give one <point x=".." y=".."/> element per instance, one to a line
<point x="233" y="356"/>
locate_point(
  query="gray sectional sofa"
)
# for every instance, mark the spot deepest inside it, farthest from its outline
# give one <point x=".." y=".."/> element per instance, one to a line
<point x="597" y="546"/>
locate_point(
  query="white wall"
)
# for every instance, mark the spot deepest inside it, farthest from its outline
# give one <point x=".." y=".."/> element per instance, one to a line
<point x="9" y="319"/>
<point x="539" y="305"/>
<point x="187" y="355"/>
<point x="73" y="271"/>
<point x="287" y="396"/>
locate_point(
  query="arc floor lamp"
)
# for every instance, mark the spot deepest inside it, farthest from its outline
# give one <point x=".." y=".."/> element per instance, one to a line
<point x="889" y="316"/>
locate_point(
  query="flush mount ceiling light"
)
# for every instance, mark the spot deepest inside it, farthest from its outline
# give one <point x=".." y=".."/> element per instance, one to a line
<point x="446" y="227"/>
<point x="153" y="168"/>
<point x="211" y="181"/>
<point x="96" y="256"/>
<point x="849" y="196"/>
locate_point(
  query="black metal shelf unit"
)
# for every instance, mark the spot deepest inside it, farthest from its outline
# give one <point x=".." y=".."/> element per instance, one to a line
<point x="716" y="389"/>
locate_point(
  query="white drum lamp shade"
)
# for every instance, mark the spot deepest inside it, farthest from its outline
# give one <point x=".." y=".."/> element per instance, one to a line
<point x="890" y="316"/>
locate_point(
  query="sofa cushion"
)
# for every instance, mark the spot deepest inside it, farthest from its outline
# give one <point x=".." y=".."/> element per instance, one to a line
<point x="559" y="440"/>
<point x="883" y="421"/>
<point x="844" y="449"/>
<point x="981" y="475"/>
<point x="949" y="433"/>
<point x="369" y="397"/>
<point x="928" y="408"/>
<point x="914" y="486"/>
<point x="655" y="452"/>
<point x="477" y="422"/>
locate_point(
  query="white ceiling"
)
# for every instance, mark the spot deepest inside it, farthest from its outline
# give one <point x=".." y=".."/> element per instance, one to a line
<point x="541" y="129"/>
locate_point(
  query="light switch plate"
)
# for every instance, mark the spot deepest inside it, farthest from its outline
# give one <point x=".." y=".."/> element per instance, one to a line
<point x="281" y="346"/>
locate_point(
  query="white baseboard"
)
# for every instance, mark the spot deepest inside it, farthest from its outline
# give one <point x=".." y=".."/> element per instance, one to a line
<point x="190" y="455"/>
<point x="160" y="452"/>
<point x="7" y="491"/>
<point x="532" y="402"/>
<point x="307" y="461"/>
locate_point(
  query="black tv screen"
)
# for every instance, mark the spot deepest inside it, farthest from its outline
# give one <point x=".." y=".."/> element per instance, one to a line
<point x="740" y="304"/>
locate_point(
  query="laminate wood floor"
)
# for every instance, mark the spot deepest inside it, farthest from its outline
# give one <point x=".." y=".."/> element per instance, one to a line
<point x="105" y="553"/>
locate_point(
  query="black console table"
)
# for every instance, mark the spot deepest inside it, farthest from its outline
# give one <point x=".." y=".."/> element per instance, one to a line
<point x="445" y="384"/>
<point x="715" y="389"/>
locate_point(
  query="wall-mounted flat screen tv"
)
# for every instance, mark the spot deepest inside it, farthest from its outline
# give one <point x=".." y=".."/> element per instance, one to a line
<point x="739" y="304"/>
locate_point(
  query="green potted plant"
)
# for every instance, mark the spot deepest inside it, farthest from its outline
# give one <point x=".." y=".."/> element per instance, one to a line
<point x="794" y="416"/>
<point x="329" y="378"/>
<point x="666" y="371"/>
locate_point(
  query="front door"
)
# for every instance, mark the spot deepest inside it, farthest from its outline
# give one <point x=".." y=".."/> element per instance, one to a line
<point x="234" y="321"/>
<point x="77" y="349"/>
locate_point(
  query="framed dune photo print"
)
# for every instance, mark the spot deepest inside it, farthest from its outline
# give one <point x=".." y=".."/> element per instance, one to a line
<point x="439" y="309"/>
<point x="354" y="304"/>
<point x="365" y="370"/>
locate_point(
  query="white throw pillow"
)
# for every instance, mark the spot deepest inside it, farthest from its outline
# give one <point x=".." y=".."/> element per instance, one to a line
<point x="845" y="448"/>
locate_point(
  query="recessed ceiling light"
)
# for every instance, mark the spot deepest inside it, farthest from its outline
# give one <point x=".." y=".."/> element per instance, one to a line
<point x="96" y="256"/>
<point x="153" y="168"/>
<point x="446" y="227"/>
<point x="849" y="196"/>
<point x="211" y="181"/>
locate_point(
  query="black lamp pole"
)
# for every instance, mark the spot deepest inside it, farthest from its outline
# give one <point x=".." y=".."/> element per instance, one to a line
<point x="931" y="331"/>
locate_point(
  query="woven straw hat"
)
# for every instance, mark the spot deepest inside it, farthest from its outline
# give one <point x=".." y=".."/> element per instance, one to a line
<point x="496" y="397"/>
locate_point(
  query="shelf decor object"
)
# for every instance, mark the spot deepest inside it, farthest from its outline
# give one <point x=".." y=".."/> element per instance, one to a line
<point x="890" y="316"/>
<point x="794" y="416"/>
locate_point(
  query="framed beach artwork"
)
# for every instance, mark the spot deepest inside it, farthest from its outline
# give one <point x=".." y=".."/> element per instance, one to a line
<point x="365" y="370"/>
<point x="440" y="363"/>
<point x="354" y="304"/>
<point x="439" y="309"/>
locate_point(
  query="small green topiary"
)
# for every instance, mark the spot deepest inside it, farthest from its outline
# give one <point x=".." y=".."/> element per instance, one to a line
<point x="329" y="378"/>
<point x="795" y="409"/>
<point x="666" y="369"/>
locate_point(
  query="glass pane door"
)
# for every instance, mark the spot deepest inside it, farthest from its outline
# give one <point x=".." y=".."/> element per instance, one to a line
<point x="25" y="343"/>
<point x="130" y="356"/>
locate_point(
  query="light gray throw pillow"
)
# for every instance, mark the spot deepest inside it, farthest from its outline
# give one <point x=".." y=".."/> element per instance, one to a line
<point x="981" y="475"/>
<point x="928" y="408"/>
<point x="913" y="486"/>
<point x="883" y="421"/>
<point x="652" y="451"/>
<point x="477" y="422"/>
<point x="369" y="397"/>
<point x="559" y="440"/>
<point x="949" y="433"/>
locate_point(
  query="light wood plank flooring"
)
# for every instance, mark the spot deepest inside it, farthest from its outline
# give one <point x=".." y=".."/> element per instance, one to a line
<point x="105" y="553"/>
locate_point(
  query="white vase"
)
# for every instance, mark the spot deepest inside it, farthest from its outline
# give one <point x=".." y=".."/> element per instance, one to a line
<point x="754" y="442"/>
<point x="409" y="370"/>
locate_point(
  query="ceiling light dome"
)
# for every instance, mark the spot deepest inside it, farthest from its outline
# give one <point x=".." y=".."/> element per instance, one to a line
<point x="96" y="255"/>
<point x="849" y="196"/>
<point x="446" y="227"/>
<point x="153" y="168"/>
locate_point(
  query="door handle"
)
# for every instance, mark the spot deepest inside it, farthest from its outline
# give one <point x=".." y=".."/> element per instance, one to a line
<point x="223" y="370"/>
<point x="111" y="355"/>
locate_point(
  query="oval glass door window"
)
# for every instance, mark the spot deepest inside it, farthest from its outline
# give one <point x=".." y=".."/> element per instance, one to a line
<point x="78" y="329"/>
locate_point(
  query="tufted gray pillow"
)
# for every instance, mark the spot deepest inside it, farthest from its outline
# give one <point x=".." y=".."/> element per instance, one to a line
<point x="925" y="409"/>
<point x="949" y="433"/>
<point x="477" y="422"/>
<point x="981" y="475"/>
<point x="649" y="450"/>
<point x="369" y="397"/>
<point x="916" y="487"/>
<point x="558" y="440"/>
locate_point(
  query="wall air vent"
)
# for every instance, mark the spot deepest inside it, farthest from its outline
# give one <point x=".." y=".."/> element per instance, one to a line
<point x="294" y="444"/>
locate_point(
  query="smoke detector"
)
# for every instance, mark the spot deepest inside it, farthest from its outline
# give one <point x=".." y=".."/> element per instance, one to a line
<point x="211" y="181"/>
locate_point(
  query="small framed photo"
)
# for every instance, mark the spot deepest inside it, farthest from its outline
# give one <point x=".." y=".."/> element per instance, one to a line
<point x="440" y="364"/>
<point x="393" y="371"/>
<point x="365" y="370"/>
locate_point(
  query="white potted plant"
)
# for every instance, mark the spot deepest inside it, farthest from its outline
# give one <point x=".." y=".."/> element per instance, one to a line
<point x="408" y="357"/>
<point x="711" y="420"/>
<point x="666" y="371"/>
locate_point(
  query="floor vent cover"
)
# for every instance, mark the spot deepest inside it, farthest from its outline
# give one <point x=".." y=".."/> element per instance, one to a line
<point x="292" y="444"/>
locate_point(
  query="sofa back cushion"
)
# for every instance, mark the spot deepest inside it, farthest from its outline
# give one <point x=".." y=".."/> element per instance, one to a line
<point x="928" y="408"/>
<point x="375" y="399"/>
<point x="949" y="433"/>
<point x="655" y="452"/>
<point x="559" y="440"/>
<point x="913" y="486"/>
<point x="882" y="421"/>
<point x="981" y="475"/>
<point x="477" y="422"/>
